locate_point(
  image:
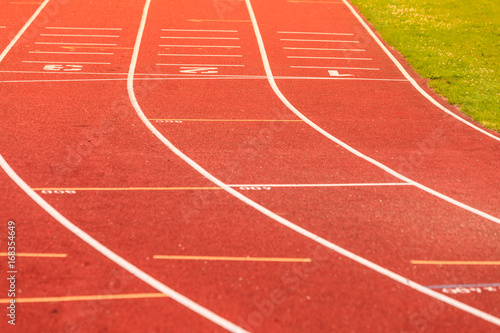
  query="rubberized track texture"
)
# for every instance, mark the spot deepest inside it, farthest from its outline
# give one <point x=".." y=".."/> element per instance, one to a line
<point x="242" y="166"/>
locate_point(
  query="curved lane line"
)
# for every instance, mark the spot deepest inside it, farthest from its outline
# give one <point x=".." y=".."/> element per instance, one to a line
<point x="93" y="242"/>
<point x="130" y="88"/>
<point x="23" y="29"/>
<point x="412" y="81"/>
<point x="384" y="271"/>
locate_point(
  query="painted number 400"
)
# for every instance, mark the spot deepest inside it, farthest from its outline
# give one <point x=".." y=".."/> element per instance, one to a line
<point x="65" y="68"/>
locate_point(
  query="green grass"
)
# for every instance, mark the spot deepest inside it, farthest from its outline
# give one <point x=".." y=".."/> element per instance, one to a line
<point x="454" y="43"/>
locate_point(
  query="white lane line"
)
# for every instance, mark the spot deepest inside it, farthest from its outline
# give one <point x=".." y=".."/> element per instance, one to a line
<point x="318" y="40"/>
<point x="66" y="35"/>
<point x="200" y="55"/>
<point x="2" y="27"/>
<point x="205" y="46"/>
<point x="321" y="185"/>
<point x="75" y="28"/>
<point x="66" y="62"/>
<point x="412" y="81"/>
<point x="333" y="67"/>
<point x="322" y="49"/>
<point x="359" y="259"/>
<point x="51" y="52"/>
<point x="220" y="65"/>
<point x="189" y="37"/>
<point x="316" y="33"/>
<point x="193" y="77"/>
<point x="86" y="44"/>
<point x="130" y="88"/>
<point x="199" y="30"/>
<point x="332" y="58"/>
<point x="23" y="29"/>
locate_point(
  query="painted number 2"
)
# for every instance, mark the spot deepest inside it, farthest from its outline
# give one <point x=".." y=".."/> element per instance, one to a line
<point x="65" y="68"/>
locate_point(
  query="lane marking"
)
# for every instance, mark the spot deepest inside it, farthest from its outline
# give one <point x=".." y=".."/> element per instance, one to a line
<point x="334" y="247"/>
<point x="322" y="49"/>
<point x="214" y="258"/>
<point x="76" y="28"/>
<point x="220" y="65"/>
<point x="23" y="29"/>
<point x="204" y="46"/>
<point x="83" y="298"/>
<point x="445" y="262"/>
<point x="195" y="77"/>
<point x="75" y="47"/>
<point x="198" y="37"/>
<point x="91" y="44"/>
<point x="130" y="89"/>
<point x="67" y="62"/>
<point x="199" y="30"/>
<point x="201" y="55"/>
<point x="37" y="255"/>
<point x="410" y="79"/>
<point x="478" y="285"/>
<point x="53" y="52"/>
<point x="235" y="21"/>
<point x="66" y="35"/>
<point x="332" y="58"/>
<point x="322" y="185"/>
<point x="3" y="27"/>
<point x="316" y="33"/>
<point x="190" y="188"/>
<point x="318" y="40"/>
<point x="334" y="67"/>
<point x="124" y="188"/>
<point x="230" y="120"/>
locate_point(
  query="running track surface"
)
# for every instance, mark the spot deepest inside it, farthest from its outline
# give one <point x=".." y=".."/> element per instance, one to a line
<point x="335" y="191"/>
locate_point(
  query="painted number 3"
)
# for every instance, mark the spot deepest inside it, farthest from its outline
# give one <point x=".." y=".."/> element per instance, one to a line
<point x="65" y="68"/>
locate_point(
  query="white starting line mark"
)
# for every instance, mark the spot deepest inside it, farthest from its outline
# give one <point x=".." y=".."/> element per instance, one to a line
<point x="209" y="65"/>
<point x="88" y="53"/>
<point x="355" y="68"/>
<point x="199" y="70"/>
<point x="58" y="192"/>
<point x="66" y="62"/>
<point x="188" y="37"/>
<point x="315" y="33"/>
<point x="86" y="44"/>
<point x="201" y="55"/>
<point x="204" y="46"/>
<point x="319" y="40"/>
<point x="199" y="30"/>
<point x="76" y="28"/>
<point x="330" y="58"/>
<point x="2" y="27"/>
<point x="66" y="35"/>
<point x="336" y="73"/>
<point x="322" y="49"/>
<point x="469" y="290"/>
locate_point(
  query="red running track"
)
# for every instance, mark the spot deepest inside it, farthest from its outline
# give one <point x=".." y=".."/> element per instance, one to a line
<point x="238" y="129"/>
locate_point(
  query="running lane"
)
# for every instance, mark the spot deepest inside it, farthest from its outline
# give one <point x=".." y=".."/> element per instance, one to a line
<point x="59" y="130"/>
<point x="219" y="109"/>
<point x="356" y="93"/>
